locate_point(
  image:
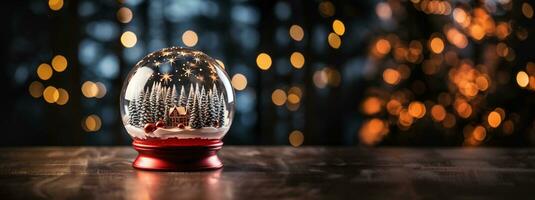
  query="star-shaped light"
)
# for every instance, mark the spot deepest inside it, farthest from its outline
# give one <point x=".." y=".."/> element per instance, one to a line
<point x="171" y="60"/>
<point x="187" y="71"/>
<point x="166" y="78"/>
<point x="196" y="59"/>
<point x="157" y="63"/>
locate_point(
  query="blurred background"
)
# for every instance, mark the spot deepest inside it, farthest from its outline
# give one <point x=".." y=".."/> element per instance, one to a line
<point x="379" y="73"/>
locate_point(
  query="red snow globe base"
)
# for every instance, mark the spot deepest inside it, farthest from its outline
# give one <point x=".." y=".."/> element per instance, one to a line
<point x="177" y="104"/>
<point x="177" y="155"/>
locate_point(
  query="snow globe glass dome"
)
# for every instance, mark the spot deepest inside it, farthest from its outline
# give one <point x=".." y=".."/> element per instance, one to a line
<point x="177" y="97"/>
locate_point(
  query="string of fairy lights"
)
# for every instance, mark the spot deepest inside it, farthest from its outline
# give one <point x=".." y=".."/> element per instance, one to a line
<point x="390" y="104"/>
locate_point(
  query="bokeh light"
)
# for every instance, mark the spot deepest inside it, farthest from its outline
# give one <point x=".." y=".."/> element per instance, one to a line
<point x="338" y="27"/>
<point x="263" y="61"/>
<point x="297" y="60"/>
<point x="239" y="81"/>
<point x="44" y="71"/>
<point x="296" y="138"/>
<point x="189" y="38"/>
<point x="59" y="63"/>
<point x="128" y="39"/>
<point x="296" y="32"/>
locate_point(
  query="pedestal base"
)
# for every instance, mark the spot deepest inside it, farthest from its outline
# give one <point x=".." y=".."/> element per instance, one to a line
<point x="179" y="155"/>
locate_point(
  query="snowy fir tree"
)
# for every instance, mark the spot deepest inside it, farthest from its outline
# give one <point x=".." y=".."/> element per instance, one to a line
<point x="153" y="100"/>
<point x="168" y="102"/>
<point x="174" y="97"/>
<point x="222" y="110"/>
<point x="194" y="120"/>
<point x="205" y="109"/>
<point x="146" y="108"/>
<point x="191" y="99"/>
<point x="182" y="99"/>
<point x="160" y="112"/>
<point x="133" y="113"/>
<point x="214" y="107"/>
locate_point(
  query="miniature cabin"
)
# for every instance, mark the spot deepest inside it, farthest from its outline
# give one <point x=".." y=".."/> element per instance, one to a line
<point x="178" y="115"/>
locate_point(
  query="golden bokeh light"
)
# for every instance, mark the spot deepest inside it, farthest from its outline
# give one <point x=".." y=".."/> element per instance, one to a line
<point x="55" y="5"/>
<point x="63" y="97"/>
<point x="339" y="27"/>
<point x="417" y="109"/>
<point x="297" y="60"/>
<point x="278" y="97"/>
<point x="373" y="131"/>
<point x="461" y="17"/>
<point x="296" y="138"/>
<point x="128" y="39"/>
<point x="436" y="45"/>
<point x="463" y="108"/>
<point x="438" y="113"/>
<point x="239" y="81"/>
<point x="44" y="71"/>
<point x="479" y="133"/>
<point x="51" y="94"/>
<point x="296" y="32"/>
<point x="494" y="119"/>
<point x="124" y="15"/>
<point x="263" y="61"/>
<point x="522" y="79"/>
<point x="391" y="76"/>
<point x="334" y="40"/>
<point x="372" y="105"/>
<point x="89" y="89"/>
<point x="456" y="38"/>
<point x="59" y="63"/>
<point x="189" y="38"/>
<point x="527" y="10"/>
<point x="405" y="119"/>
<point x="293" y="99"/>
<point x="91" y="123"/>
<point x="382" y="46"/>
<point x="36" y="89"/>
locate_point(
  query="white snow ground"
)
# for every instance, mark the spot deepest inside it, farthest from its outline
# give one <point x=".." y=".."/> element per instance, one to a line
<point x="187" y="133"/>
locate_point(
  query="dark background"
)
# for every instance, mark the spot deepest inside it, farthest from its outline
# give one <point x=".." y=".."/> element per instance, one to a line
<point x="331" y="105"/>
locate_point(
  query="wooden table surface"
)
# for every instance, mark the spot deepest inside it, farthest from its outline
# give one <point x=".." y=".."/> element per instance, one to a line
<point x="273" y="173"/>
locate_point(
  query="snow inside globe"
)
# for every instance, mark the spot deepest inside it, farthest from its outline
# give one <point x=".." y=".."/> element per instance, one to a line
<point x="177" y="94"/>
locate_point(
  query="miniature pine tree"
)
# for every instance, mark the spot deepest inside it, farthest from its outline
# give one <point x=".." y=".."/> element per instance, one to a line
<point x="191" y="99"/>
<point x="222" y="110"/>
<point x="132" y="112"/>
<point x="182" y="99"/>
<point x="146" y="108"/>
<point x="194" y="121"/>
<point x="153" y="99"/>
<point x="174" y="97"/>
<point x="214" y="107"/>
<point x="138" y="107"/>
<point x="168" y="104"/>
<point x="205" y="108"/>
<point x="161" y="105"/>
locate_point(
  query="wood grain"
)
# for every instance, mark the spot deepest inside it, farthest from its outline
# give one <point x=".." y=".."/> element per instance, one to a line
<point x="273" y="173"/>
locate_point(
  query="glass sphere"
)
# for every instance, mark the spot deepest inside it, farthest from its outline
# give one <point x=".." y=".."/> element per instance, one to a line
<point x="177" y="93"/>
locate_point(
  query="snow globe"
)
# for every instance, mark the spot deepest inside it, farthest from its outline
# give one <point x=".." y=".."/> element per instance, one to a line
<point x="177" y="104"/>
